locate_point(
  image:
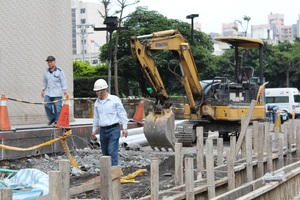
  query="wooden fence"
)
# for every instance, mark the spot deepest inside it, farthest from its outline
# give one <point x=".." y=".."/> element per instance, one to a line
<point x="242" y="176"/>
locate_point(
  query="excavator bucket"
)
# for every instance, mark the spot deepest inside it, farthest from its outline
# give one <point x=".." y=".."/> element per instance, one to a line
<point x="160" y="130"/>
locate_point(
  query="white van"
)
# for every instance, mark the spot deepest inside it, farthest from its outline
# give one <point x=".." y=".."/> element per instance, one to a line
<point x="287" y="99"/>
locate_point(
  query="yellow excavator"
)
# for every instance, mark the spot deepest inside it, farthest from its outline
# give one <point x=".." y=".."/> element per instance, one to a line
<point x="216" y="105"/>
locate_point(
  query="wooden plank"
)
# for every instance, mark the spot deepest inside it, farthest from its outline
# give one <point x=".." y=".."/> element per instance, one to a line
<point x="94" y="183"/>
<point x="154" y="179"/>
<point x="260" y="156"/>
<point x="105" y="178"/>
<point x="243" y="146"/>
<point x="220" y="151"/>
<point x="244" y="127"/>
<point x="255" y="135"/>
<point x="233" y="147"/>
<point x="249" y="166"/>
<point x="280" y="152"/>
<point x="5" y="194"/>
<point x="230" y="169"/>
<point x="298" y="141"/>
<point x="55" y="184"/>
<point x="259" y="191"/>
<point x="64" y="167"/>
<point x="178" y="164"/>
<point x="266" y="135"/>
<point x="269" y="153"/>
<point x="210" y="169"/>
<point x="276" y="132"/>
<point x="189" y="179"/>
<point x="116" y="188"/>
<point x="200" y="150"/>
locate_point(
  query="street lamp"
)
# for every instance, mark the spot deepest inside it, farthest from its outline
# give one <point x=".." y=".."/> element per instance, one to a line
<point x="192" y="16"/>
<point x="111" y="25"/>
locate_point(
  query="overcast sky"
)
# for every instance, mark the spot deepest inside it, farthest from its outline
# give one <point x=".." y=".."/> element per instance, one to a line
<point x="213" y="13"/>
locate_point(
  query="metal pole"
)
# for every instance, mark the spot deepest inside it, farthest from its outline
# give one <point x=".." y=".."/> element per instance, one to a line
<point x="82" y="39"/>
<point x="192" y="16"/>
<point x="110" y="61"/>
<point x="192" y="31"/>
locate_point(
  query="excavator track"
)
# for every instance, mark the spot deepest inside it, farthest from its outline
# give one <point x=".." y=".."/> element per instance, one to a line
<point x="185" y="133"/>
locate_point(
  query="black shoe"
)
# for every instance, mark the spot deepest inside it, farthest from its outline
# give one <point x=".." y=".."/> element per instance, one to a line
<point x="51" y="122"/>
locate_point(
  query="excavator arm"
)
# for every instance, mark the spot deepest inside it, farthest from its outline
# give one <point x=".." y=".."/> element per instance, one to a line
<point x="172" y="40"/>
<point x="159" y="125"/>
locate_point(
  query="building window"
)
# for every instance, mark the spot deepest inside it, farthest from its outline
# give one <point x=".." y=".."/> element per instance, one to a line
<point x="95" y="62"/>
<point x="82" y="21"/>
<point x="82" y="10"/>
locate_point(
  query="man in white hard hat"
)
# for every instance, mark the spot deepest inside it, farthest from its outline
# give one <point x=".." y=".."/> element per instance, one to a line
<point x="108" y="114"/>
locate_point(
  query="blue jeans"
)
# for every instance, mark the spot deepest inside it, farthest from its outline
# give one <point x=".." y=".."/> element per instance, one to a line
<point x="109" y="139"/>
<point x="53" y="109"/>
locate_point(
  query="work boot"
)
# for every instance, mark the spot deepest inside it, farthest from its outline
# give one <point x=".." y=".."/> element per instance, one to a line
<point x="51" y="122"/>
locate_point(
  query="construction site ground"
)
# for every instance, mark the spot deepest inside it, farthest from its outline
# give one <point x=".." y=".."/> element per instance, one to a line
<point x="89" y="161"/>
<point x="131" y="158"/>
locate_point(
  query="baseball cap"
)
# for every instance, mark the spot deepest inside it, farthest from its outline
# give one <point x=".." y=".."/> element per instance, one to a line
<point x="50" y="58"/>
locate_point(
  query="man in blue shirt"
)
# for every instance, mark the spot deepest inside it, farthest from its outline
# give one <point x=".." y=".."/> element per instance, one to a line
<point x="108" y="114"/>
<point x="53" y="88"/>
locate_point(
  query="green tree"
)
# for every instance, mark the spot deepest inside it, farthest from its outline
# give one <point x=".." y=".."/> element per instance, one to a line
<point x="141" y="22"/>
<point x="85" y="76"/>
<point x="285" y="61"/>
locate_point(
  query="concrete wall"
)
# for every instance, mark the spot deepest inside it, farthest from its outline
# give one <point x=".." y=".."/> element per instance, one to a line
<point x="30" y="31"/>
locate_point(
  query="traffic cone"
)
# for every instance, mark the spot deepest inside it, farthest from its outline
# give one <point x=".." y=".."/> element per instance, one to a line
<point x="277" y="122"/>
<point x="139" y="114"/>
<point x="4" y="118"/>
<point x="63" y="120"/>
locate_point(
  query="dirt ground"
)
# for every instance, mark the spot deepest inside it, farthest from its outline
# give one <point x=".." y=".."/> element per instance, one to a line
<point x="129" y="164"/>
<point x="129" y="160"/>
<point x="133" y="190"/>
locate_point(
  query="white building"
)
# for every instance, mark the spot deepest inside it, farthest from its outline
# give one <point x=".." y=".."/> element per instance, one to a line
<point x="31" y="31"/>
<point x="86" y="41"/>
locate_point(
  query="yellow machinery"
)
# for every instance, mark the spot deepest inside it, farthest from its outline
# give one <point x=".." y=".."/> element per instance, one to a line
<point x="216" y="105"/>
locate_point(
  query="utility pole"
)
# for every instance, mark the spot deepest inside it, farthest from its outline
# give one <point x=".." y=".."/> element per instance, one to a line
<point x="83" y="34"/>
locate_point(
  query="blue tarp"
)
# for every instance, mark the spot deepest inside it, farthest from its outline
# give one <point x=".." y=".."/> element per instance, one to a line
<point x="28" y="178"/>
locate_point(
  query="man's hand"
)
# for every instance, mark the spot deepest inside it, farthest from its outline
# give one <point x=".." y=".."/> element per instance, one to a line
<point x="43" y="93"/>
<point x="125" y="133"/>
<point x="93" y="136"/>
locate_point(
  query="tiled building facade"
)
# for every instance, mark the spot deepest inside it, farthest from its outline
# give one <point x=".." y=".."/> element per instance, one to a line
<point x="30" y="31"/>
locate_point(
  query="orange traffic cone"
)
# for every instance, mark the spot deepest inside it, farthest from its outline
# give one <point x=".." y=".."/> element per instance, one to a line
<point x="139" y="113"/>
<point x="4" y="119"/>
<point x="63" y="120"/>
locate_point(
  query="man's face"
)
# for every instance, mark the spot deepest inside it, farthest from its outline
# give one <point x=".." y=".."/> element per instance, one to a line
<point x="51" y="63"/>
<point x="100" y="93"/>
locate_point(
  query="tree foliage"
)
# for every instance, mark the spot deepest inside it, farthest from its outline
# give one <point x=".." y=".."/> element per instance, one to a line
<point x="281" y="62"/>
<point x="141" y="22"/>
<point x="83" y="69"/>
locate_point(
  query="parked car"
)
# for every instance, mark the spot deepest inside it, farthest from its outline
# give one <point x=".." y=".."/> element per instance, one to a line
<point x="271" y="111"/>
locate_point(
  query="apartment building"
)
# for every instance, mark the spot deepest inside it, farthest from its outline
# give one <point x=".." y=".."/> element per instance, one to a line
<point x="85" y="41"/>
<point x="275" y="30"/>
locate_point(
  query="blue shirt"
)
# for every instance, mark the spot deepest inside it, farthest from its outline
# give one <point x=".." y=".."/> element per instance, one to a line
<point x="54" y="83"/>
<point x="108" y="112"/>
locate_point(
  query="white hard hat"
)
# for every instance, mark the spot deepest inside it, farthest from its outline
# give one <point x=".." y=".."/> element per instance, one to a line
<point x="100" y="84"/>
